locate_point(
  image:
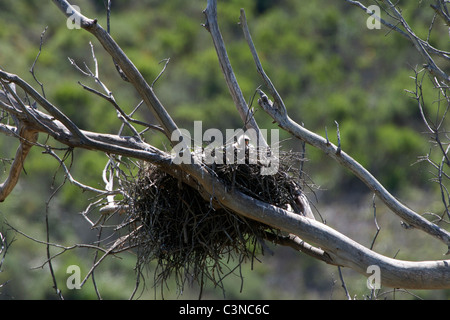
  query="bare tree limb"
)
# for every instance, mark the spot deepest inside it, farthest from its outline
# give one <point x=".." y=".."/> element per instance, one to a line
<point x="405" y="213"/>
<point x="278" y="112"/>
<point x="422" y="46"/>
<point x="342" y="250"/>
<point x="28" y="136"/>
<point x="278" y="101"/>
<point x="418" y="43"/>
<point x="213" y="27"/>
<point x="331" y="246"/>
<point x="125" y="64"/>
<point x="441" y="9"/>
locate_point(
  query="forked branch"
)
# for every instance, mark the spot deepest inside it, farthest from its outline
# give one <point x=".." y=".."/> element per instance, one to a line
<point x="213" y="27"/>
<point x="335" y="248"/>
<point x="342" y="250"/>
<point x="278" y="112"/>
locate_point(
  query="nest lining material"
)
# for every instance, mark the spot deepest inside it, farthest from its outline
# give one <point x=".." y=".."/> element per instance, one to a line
<point x="191" y="240"/>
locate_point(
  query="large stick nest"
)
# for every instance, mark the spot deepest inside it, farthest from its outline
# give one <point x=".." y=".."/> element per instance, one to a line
<point x="193" y="239"/>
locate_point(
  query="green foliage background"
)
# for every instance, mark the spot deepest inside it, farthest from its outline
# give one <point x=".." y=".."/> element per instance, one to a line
<point x="325" y="63"/>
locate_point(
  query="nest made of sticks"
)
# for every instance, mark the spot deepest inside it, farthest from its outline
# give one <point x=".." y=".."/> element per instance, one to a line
<point x="189" y="238"/>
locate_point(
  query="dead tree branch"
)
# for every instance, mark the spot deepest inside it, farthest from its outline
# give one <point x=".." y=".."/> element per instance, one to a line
<point x="278" y="112"/>
<point x="341" y="249"/>
<point x="213" y="27"/>
<point x="335" y="248"/>
<point x="27" y="136"/>
<point x="128" y="68"/>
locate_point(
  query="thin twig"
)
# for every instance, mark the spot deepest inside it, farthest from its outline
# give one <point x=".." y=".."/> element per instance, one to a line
<point x="35" y="61"/>
<point x="375" y="221"/>
<point x="213" y="27"/>
<point x="166" y="62"/>
<point x="347" y="294"/>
